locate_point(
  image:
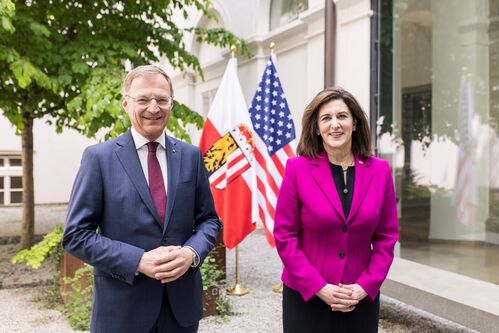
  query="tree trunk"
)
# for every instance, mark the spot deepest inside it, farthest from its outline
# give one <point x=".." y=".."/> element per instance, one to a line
<point x="28" y="222"/>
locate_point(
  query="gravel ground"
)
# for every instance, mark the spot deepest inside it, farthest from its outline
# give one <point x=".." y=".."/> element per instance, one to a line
<point x="260" y="310"/>
<point x="18" y="276"/>
<point x="20" y="312"/>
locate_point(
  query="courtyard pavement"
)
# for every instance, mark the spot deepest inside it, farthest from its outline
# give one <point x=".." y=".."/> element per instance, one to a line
<point x="258" y="311"/>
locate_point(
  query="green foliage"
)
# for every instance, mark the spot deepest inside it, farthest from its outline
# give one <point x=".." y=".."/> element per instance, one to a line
<point x="67" y="61"/>
<point x="51" y="296"/>
<point x="224" y="305"/>
<point x="78" y="308"/>
<point x="293" y="6"/>
<point x="416" y="191"/>
<point x="211" y="275"/>
<point x="7" y="9"/>
<point x="180" y="116"/>
<point x="36" y="255"/>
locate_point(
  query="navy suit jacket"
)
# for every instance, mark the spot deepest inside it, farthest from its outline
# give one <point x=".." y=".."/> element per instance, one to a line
<point x="112" y="220"/>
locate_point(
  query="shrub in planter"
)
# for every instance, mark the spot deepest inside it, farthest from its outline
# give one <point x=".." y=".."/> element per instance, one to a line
<point x="214" y="299"/>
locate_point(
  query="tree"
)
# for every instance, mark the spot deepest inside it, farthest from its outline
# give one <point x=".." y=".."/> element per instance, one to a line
<point x="64" y="61"/>
<point x="6" y="12"/>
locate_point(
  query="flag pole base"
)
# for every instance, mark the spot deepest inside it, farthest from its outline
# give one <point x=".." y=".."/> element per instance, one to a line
<point x="278" y="288"/>
<point x="238" y="290"/>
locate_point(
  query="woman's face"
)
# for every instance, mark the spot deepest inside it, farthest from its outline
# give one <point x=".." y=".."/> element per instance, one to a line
<point x="336" y="125"/>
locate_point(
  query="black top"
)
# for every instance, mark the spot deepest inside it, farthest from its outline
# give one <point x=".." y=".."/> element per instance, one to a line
<point x="345" y="191"/>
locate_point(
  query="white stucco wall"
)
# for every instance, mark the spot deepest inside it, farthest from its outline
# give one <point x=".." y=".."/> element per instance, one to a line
<point x="353" y="53"/>
<point x="56" y="158"/>
<point x="299" y="53"/>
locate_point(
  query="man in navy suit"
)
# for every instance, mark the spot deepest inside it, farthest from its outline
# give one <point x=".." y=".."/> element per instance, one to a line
<point x="142" y="214"/>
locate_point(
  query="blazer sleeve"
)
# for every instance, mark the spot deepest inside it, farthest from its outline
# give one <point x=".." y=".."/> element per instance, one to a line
<point x="206" y="221"/>
<point x="81" y="238"/>
<point x="383" y="241"/>
<point x="305" y="278"/>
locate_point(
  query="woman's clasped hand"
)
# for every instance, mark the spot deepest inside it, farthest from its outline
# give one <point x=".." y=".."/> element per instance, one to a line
<point x="342" y="297"/>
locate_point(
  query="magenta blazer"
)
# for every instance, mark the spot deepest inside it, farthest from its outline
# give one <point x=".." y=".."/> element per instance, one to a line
<point x="317" y="245"/>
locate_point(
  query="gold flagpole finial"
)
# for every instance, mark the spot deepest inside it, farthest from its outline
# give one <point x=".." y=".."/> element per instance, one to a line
<point x="233" y="49"/>
<point x="272" y="47"/>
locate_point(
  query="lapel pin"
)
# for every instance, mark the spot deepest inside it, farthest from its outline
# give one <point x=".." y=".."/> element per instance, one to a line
<point x="360" y="162"/>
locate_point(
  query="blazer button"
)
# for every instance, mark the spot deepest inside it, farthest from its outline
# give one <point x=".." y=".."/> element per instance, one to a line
<point x="341" y="255"/>
<point x="165" y="238"/>
<point x="344" y="228"/>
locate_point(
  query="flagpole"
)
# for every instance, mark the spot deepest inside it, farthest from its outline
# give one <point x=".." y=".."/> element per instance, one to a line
<point x="238" y="289"/>
<point x="277" y="288"/>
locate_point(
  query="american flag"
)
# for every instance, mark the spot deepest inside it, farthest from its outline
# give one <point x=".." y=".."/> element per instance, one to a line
<point x="274" y="143"/>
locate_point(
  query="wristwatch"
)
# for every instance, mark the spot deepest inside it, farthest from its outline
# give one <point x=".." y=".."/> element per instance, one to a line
<point x="195" y="257"/>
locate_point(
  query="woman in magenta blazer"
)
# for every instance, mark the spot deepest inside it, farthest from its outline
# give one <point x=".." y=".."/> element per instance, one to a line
<point x="336" y="221"/>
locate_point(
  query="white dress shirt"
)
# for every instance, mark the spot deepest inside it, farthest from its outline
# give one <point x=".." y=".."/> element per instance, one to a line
<point x="142" y="152"/>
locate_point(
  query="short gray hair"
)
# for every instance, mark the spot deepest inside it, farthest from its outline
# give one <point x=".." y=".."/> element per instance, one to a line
<point x="145" y="70"/>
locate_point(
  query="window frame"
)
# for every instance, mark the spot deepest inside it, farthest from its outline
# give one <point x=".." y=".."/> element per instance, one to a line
<point x="7" y="172"/>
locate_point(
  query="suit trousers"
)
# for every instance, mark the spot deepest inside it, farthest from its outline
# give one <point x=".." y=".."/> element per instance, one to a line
<point x="316" y="316"/>
<point x="166" y="322"/>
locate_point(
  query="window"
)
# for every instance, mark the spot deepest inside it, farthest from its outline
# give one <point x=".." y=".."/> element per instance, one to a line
<point x="15" y="161"/>
<point x="208" y="97"/>
<point x="11" y="183"/>
<point x="16" y="189"/>
<point x="438" y="127"/>
<point x="285" y="11"/>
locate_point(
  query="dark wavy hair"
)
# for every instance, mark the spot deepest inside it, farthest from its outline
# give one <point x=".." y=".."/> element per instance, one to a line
<point x="311" y="145"/>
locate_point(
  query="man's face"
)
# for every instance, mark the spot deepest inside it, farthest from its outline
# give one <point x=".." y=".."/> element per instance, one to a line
<point x="147" y="106"/>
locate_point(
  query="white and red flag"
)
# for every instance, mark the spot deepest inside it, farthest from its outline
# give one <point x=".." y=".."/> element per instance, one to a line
<point x="227" y="148"/>
<point x="274" y="143"/>
<point x="465" y="193"/>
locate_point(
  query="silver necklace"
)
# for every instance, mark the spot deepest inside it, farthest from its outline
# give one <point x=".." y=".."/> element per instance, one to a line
<point x="345" y="189"/>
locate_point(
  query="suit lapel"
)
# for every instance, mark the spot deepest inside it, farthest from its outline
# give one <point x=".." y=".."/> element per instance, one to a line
<point x="363" y="178"/>
<point x="324" y="179"/>
<point x="173" y="159"/>
<point x="127" y="155"/>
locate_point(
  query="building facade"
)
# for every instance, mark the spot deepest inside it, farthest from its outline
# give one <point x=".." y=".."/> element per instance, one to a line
<point x="427" y="74"/>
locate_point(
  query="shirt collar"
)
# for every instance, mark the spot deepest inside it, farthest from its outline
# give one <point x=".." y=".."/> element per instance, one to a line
<point x="140" y="141"/>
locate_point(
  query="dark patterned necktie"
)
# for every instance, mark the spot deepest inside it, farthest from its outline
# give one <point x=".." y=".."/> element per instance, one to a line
<point x="156" y="182"/>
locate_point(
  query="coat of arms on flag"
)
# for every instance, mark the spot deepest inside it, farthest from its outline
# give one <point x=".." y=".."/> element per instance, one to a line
<point x="227" y="148"/>
<point x="229" y="156"/>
